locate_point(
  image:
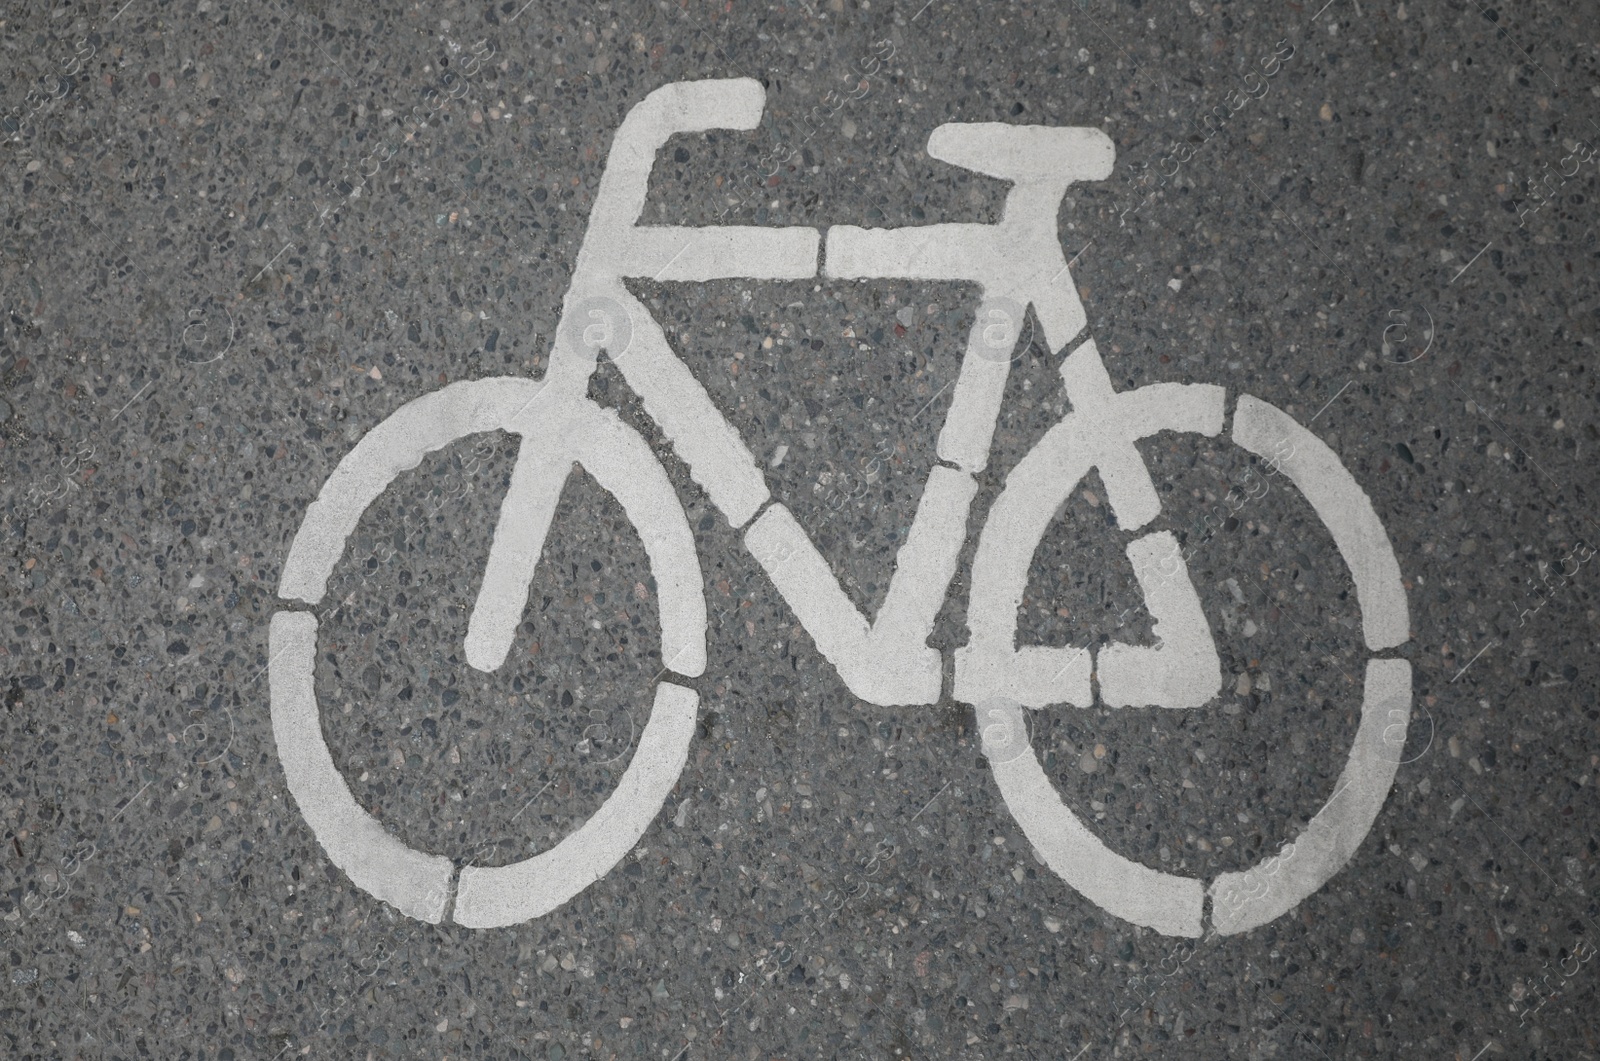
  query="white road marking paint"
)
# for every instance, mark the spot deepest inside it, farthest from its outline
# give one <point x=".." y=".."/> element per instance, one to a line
<point x="1003" y="729"/>
<point x="380" y="864"/>
<point x="556" y="435"/>
<point x="622" y="463"/>
<point x="887" y="661"/>
<point x="877" y="674"/>
<point x="1099" y="432"/>
<point x="1064" y="268"/>
<point x="1009" y="260"/>
<point x="1331" y="837"/>
<point x="1343" y="507"/>
<point x="1182" y="668"/>
<point x="525" y="516"/>
<point x="1167" y="902"/>
<point x="1170" y="904"/>
<point x="615" y="247"/>
<point x="493" y="897"/>
<point x="398" y="444"/>
<point x="981" y="384"/>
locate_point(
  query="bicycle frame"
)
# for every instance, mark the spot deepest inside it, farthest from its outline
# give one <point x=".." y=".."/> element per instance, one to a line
<point x="1017" y="263"/>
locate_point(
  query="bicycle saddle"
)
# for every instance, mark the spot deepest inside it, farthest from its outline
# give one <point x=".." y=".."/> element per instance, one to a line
<point x="1025" y="154"/>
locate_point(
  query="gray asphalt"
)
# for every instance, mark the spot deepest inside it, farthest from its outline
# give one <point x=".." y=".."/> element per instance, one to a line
<point x="235" y="237"/>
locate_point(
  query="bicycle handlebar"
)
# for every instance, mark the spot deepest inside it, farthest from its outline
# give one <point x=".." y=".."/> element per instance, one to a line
<point x="679" y="107"/>
<point x="1019" y="258"/>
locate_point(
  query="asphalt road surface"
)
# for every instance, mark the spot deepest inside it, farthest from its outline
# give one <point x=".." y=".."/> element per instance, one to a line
<point x="507" y="553"/>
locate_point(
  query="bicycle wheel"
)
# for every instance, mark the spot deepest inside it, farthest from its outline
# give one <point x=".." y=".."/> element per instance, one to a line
<point x="555" y="435"/>
<point x="1171" y="903"/>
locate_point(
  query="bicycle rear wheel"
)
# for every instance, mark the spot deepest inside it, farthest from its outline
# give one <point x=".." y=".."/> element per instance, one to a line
<point x="555" y="436"/>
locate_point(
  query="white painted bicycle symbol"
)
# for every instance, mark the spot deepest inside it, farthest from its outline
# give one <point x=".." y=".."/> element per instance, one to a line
<point x="1018" y="263"/>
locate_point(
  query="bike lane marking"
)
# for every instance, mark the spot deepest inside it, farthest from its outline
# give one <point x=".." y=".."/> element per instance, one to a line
<point x="1182" y="669"/>
<point x="614" y="248"/>
<point x="498" y="896"/>
<point x="397" y="444"/>
<point x="1009" y="260"/>
<point x="1099" y="434"/>
<point x="1332" y="836"/>
<point x="1171" y="904"/>
<point x="887" y="661"/>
